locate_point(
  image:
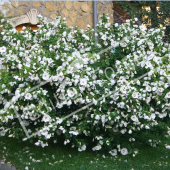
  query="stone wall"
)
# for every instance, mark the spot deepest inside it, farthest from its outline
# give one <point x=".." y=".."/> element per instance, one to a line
<point x="77" y="13"/>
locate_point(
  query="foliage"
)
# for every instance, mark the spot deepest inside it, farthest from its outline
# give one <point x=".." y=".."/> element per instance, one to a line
<point x="153" y="17"/>
<point x="2" y="42"/>
<point x="115" y="105"/>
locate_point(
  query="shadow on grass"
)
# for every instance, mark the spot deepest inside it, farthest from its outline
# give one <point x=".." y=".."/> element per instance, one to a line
<point x="60" y="157"/>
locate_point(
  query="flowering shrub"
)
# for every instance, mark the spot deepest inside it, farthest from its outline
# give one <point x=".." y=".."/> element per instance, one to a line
<point x="62" y="85"/>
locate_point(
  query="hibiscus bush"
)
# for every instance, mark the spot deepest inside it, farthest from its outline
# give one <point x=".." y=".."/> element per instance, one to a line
<point x="57" y="84"/>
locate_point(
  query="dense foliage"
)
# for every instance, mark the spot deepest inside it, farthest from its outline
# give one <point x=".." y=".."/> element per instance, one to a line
<point x="152" y="13"/>
<point x="119" y="88"/>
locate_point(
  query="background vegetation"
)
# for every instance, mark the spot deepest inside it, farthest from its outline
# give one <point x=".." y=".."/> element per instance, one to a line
<point x="158" y="14"/>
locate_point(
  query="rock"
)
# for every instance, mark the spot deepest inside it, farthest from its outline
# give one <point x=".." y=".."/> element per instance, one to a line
<point x="64" y="12"/>
<point x="36" y="4"/>
<point x="76" y="5"/>
<point x="10" y="13"/>
<point x="80" y="24"/>
<point x="50" y="6"/>
<point x="53" y="16"/>
<point x="6" y="5"/>
<point x="26" y="3"/>
<point x="45" y="12"/>
<point x="57" y="8"/>
<point x="90" y="3"/>
<point x="73" y="16"/>
<point x="89" y="20"/>
<point x="61" y="3"/>
<point x="69" y="22"/>
<point x="20" y="11"/>
<point x="16" y="4"/>
<point x="79" y="15"/>
<point x="68" y="4"/>
<point x="99" y="6"/>
<point x="84" y="7"/>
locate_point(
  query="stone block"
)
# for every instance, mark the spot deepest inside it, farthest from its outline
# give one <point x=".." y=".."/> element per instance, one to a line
<point x="20" y="11"/>
<point x="53" y="16"/>
<point x="80" y="23"/>
<point x="10" y="13"/>
<point x="84" y="7"/>
<point x="50" y="6"/>
<point x="73" y="16"/>
<point x="36" y="4"/>
<point x="64" y="12"/>
<point x="68" y="4"/>
<point x="61" y="3"/>
<point x="57" y="7"/>
<point x="76" y="5"/>
<point x="45" y="12"/>
<point x="16" y="4"/>
<point x="26" y="3"/>
<point x="69" y="22"/>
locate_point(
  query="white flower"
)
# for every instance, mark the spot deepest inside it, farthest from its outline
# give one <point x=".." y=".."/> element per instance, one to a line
<point x="113" y="152"/>
<point x="97" y="117"/>
<point x="28" y="96"/>
<point x="26" y="168"/>
<point x="162" y="72"/>
<point x="2" y="49"/>
<point x="135" y="95"/>
<point x="134" y="118"/>
<point x="44" y="132"/>
<point x="115" y="129"/>
<point x="167" y="95"/>
<point x="60" y="76"/>
<point x="2" y="20"/>
<point x="130" y="131"/>
<point x="147" y="127"/>
<point x="69" y="103"/>
<point x="45" y="76"/>
<point x="123" y="131"/>
<point x="136" y="19"/>
<point x="55" y="78"/>
<point x="104" y="37"/>
<point x="167" y="146"/>
<point x="150" y="57"/>
<point x="37" y="143"/>
<point x="107" y="25"/>
<point x="116" y="24"/>
<point x="70" y="93"/>
<point x="124" y="151"/>
<point x="148" y="88"/>
<point x="96" y="148"/>
<point x="7" y="105"/>
<point x="3" y="132"/>
<point x="83" y="148"/>
<point x="142" y="27"/>
<point x="74" y="132"/>
<point x="154" y="88"/>
<point x="160" y="90"/>
<point x="94" y="101"/>
<point x="83" y="82"/>
<point x="121" y="105"/>
<point x="46" y="118"/>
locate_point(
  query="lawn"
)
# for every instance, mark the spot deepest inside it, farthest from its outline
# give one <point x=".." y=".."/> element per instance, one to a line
<point x="59" y="157"/>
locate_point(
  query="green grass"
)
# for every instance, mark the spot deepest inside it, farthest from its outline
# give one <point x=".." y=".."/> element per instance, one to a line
<point x="59" y="157"/>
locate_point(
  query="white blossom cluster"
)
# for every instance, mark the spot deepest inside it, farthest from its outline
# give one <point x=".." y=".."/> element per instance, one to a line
<point x="74" y="71"/>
